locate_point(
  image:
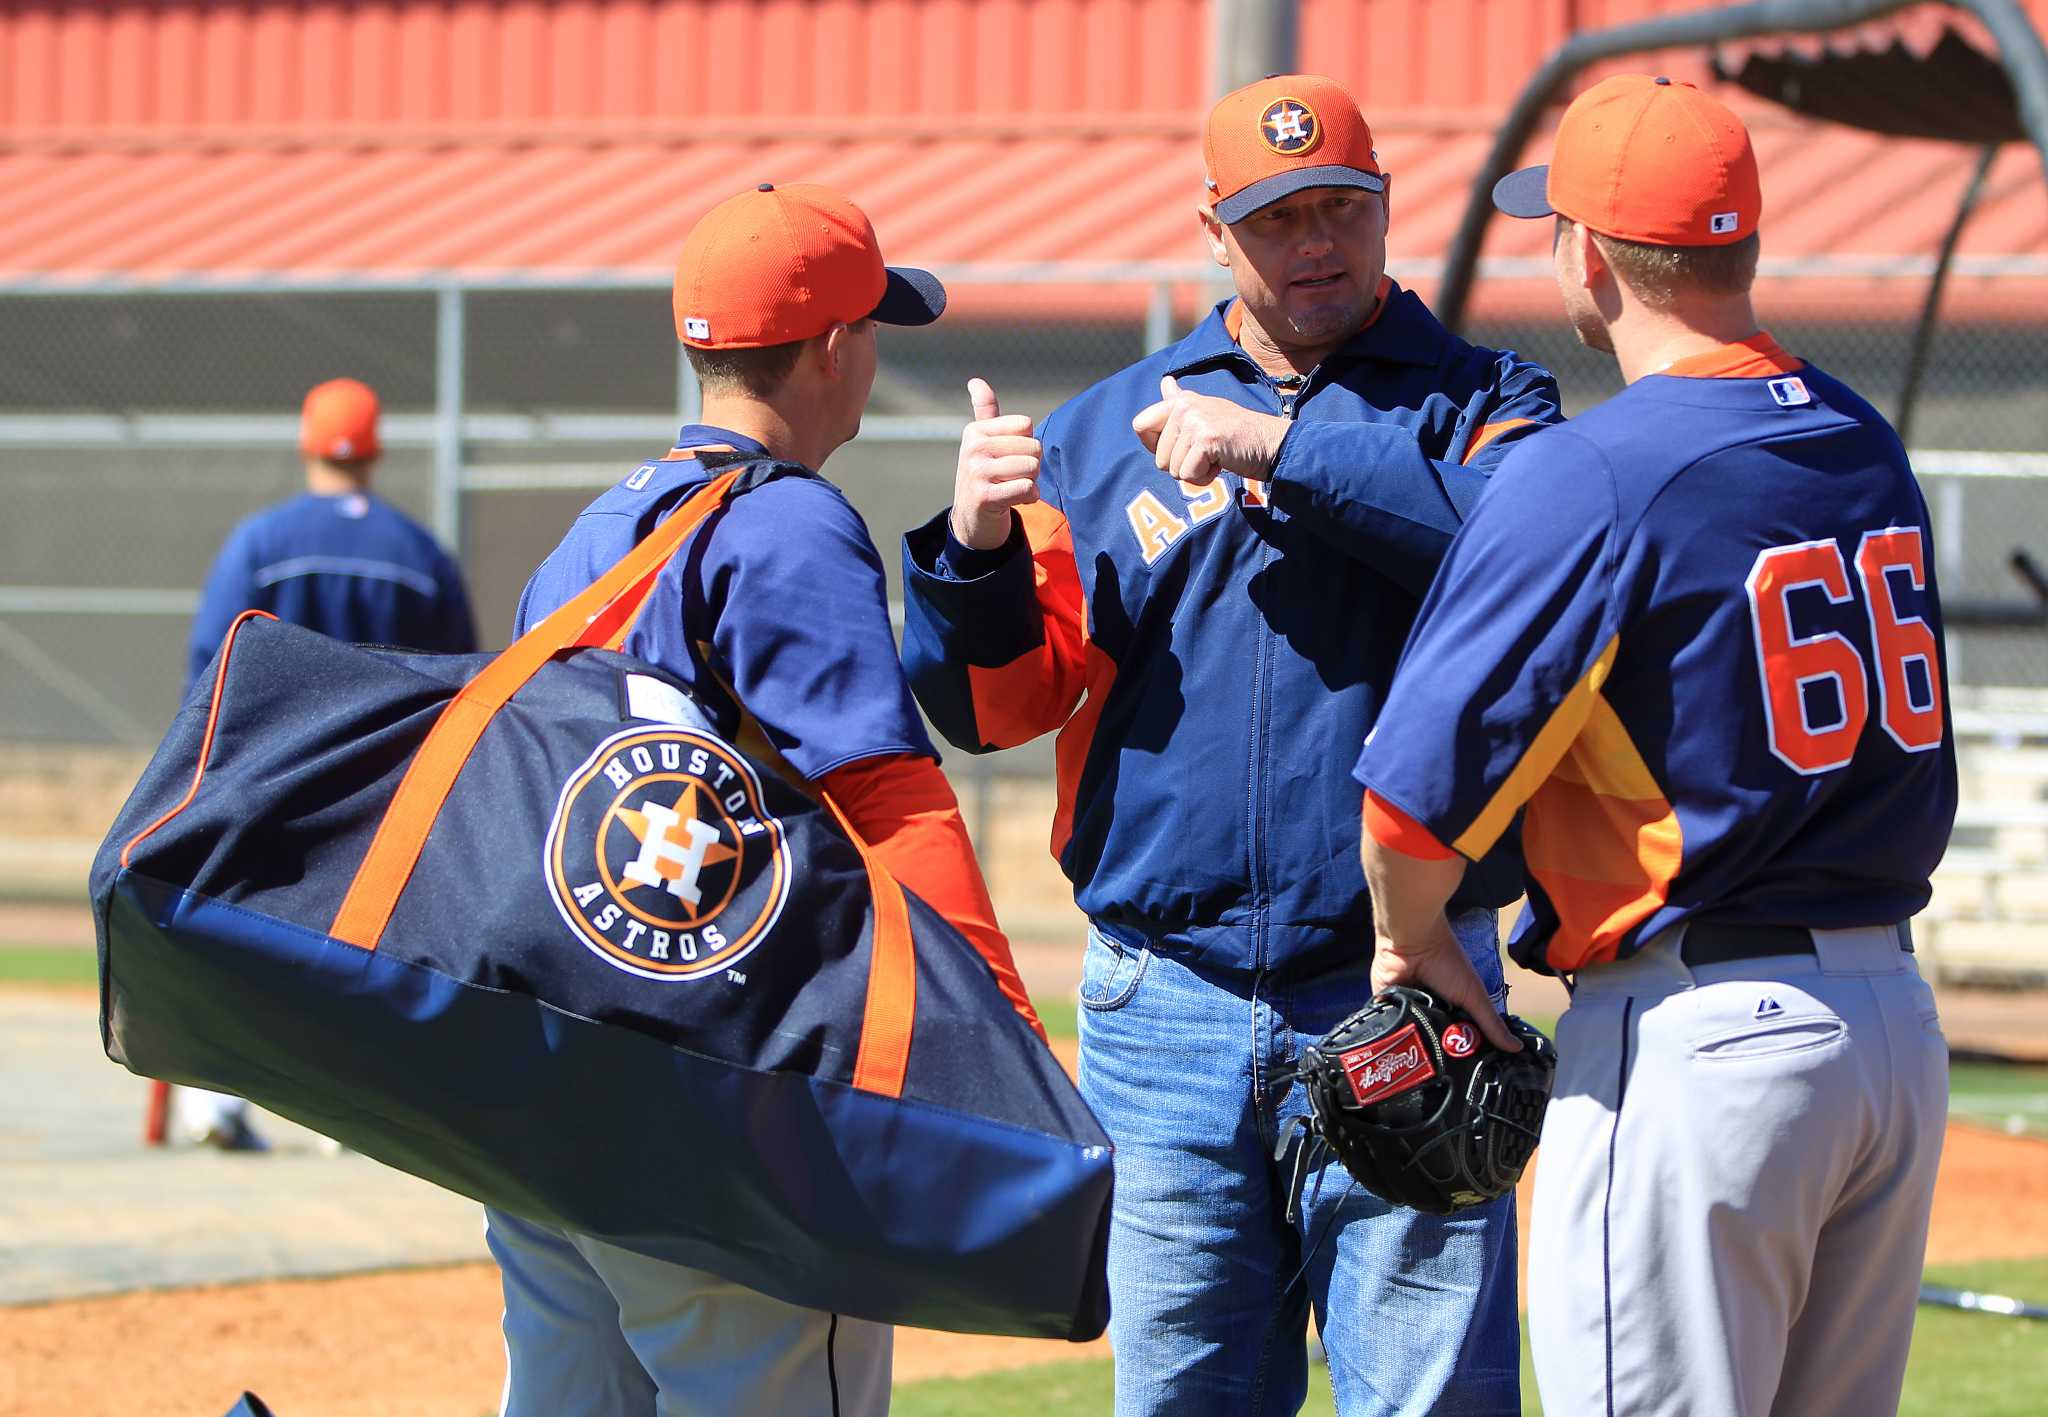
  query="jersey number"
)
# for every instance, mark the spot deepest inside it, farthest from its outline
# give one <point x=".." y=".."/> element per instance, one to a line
<point x="1794" y="668"/>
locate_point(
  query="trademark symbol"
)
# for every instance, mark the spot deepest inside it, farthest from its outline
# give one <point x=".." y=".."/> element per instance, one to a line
<point x="734" y="976"/>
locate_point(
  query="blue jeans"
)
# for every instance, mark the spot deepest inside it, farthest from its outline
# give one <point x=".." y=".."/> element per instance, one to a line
<point x="1416" y="1312"/>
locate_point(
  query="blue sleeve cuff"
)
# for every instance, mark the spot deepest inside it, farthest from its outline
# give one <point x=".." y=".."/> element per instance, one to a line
<point x="958" y="561"/>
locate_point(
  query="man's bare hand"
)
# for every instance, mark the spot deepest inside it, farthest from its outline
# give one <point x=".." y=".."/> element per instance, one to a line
<point x="998" y="471"/>
<point x="1194" y="436"/>
<point x="1436" y="962"/>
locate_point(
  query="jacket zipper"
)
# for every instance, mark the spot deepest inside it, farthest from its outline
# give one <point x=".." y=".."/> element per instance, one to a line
<point x="1258" y="759"/>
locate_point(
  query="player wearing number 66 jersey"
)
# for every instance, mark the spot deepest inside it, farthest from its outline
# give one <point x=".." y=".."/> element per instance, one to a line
<point x="1693" y="637"/>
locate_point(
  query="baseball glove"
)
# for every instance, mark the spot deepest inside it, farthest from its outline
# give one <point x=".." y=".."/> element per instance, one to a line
<point x="1419" y="1106"/>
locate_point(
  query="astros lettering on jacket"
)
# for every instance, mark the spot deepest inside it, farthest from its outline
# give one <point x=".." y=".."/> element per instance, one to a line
<point x="661" y="856"/>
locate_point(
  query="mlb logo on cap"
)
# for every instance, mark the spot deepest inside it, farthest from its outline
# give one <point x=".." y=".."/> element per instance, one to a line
<point x="695" y="328"/>
<point x="1725" y="222"/>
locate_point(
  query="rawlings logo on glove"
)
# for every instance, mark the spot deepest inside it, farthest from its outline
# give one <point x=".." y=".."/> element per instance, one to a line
<point x="1378" y="1070"/>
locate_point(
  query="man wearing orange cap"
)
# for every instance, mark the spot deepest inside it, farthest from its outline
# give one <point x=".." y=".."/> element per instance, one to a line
<point x="339" y="560"/>
<point x="1201" y="574"/>
<point x="1693" y="639"/>
<point x="777" y="619"/>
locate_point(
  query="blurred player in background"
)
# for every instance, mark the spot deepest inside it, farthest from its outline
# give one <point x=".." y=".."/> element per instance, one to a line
<point x="340" y="560"/>
<point x="1693" y="639"/>
<point x="1220" y="550"/>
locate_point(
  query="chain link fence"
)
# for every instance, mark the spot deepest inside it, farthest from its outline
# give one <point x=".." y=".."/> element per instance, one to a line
<point x="137" y="426"/>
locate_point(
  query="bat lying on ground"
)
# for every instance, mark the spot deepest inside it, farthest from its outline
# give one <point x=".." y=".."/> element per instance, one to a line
<point x="1982" y="1303"/>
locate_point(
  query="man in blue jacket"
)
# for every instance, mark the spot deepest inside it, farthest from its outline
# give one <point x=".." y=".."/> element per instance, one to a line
<point x="1202" y="575"/>
<point x="340" y="560"/>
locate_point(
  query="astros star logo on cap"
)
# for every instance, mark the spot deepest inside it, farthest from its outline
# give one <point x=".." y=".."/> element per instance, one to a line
<point x="1289" y="126"/>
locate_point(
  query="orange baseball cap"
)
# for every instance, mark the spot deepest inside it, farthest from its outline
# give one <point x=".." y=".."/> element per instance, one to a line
<point x="1281" y="135"/>
<point x="1646" y="160"/>
<point x="779" y="264"/>
<point x="339" y="422"/>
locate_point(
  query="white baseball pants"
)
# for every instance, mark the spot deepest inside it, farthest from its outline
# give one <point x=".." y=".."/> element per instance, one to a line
<point x="1734" y="1182"/>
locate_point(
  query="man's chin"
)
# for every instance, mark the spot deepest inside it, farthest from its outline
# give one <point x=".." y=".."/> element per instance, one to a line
<point x="1327" y="319"/>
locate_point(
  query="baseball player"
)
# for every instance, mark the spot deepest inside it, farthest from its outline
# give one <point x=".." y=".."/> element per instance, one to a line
<point x="776" y="617"/>
<point x="1201" y="574"/>
<point x="340" y="560"/>
<point x="1693" y="636"/>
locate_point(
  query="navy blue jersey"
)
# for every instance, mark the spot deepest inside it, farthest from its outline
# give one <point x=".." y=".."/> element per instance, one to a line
<point x="1695" y="632"/>
<point x="777" y="603"/>
<point x="353" y="567"/>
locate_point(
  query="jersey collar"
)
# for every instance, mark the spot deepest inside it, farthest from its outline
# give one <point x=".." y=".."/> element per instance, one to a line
<point x="1758" y="357"/>
<point x="1401" y="331"/>
<point x="705" y="435"/>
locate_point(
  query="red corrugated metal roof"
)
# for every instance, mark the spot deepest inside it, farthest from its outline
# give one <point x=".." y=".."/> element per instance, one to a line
<point x="570" y="210"/>
<point x="552" y="139"/>
<point x="225" y="67"/>
<point x="234" y="69"/>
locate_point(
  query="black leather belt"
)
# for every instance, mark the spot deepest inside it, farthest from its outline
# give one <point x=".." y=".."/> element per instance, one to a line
<point x="1710" y="942"/>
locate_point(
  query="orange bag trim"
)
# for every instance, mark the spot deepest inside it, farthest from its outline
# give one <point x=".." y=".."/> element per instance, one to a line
<point x="586" y="620"/>
<point x="891" y="1009"/>
<point x="220" y="680"/>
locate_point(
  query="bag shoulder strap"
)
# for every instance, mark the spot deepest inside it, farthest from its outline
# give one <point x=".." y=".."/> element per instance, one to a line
<point x="591" y="618"/>
<point x="602" y="612"/>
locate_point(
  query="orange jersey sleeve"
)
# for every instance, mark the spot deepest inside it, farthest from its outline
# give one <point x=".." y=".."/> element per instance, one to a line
<point x="904" y="808"/>
<point x="1397" y="831"/>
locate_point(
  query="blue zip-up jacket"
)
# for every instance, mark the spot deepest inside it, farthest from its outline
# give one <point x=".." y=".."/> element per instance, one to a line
<point x="1213" y="656"/>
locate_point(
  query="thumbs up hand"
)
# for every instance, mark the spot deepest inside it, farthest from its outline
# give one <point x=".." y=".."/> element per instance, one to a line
<point x="1194" y="436"/>
<point x="998" y="471"/>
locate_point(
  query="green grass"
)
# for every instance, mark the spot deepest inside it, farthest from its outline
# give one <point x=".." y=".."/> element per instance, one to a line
<point x="2008" y="1096"/>
<point x="1049" y="1390"/>
<point x="1061" y="1016"/>
<point x="48" y="964"/>
<point x="1975" y="1363"/>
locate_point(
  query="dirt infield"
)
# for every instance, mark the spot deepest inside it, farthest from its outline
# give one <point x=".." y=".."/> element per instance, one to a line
<point x="426" y="1341"/>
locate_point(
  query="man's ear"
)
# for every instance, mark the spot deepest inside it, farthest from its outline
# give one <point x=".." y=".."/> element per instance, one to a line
<point x="830" y="349"/>
<point x="1212" y="231"/>
<point x="1587" y="261"/>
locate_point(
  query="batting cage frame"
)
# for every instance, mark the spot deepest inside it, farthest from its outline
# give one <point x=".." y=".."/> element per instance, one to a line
<point x="2021" y="60"/>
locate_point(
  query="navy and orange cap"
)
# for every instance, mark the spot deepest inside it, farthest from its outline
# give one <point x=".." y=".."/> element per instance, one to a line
<point x="1282" y="135"/>
<point x="779" y="264"/>
<point x="1645" y="159"/>
<point x="339" y="422"/>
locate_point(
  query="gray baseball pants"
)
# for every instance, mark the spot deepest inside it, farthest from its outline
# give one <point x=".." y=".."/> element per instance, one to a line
<point x="592" y="1330"/>
<point x="1734" y="1183"/>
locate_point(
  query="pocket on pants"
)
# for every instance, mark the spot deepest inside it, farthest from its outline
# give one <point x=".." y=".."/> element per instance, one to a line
<point x="1110" y="972"/>
<point x="1772" y="1039"/>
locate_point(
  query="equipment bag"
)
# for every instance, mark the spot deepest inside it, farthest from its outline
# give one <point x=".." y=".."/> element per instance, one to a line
<point x="527" y="927"/>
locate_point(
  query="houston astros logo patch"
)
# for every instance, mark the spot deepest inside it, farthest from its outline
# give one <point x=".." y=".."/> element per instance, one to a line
<point x="662" y="858"/>
<point x="1289" y="126"/>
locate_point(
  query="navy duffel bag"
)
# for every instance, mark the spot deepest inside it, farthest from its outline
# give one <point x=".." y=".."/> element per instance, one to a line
<point x="527" y="927"/>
